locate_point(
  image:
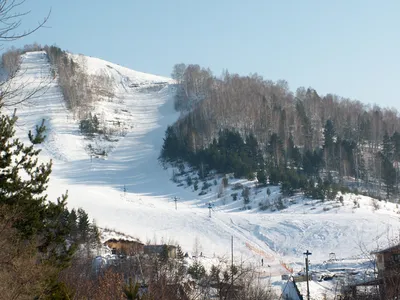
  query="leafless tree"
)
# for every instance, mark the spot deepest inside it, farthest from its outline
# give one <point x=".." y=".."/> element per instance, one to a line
<point x="20" y="274"/>
<point x="13" y="93"/>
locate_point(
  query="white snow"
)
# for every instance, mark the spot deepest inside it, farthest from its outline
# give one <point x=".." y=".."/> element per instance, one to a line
<point x="146" y="210"/>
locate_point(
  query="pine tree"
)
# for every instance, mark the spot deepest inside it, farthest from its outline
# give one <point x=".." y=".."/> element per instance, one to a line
<point x="388" y="171"/>
<point x="40" y="223"/>
<point x="83" y="225"/>
<point x="274" y="151"/>
<point x="388" y="176"/>
<point x="24" y="193"/>
<point x="179" y="253"/>
<point x="396" y="156"/>
<point x="73" y="223"/>
<point x="171" y="147"/>
<point x="261" y="178"/>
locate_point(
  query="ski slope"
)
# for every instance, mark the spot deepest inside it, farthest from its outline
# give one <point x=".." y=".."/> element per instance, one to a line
<point x="131" y="192"/>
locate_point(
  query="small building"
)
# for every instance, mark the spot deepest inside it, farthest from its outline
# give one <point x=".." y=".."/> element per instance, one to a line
<point x="388" y="267"/>
<point x="125" y="247"/>
<point x="387" y="260"/>
<point x="158" y="249"/>
<point x="386" y="285"/>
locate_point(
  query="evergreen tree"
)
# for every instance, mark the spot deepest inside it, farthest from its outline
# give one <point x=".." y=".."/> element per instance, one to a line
<point x="73" y="223"/>
<point x="293" y="155"/>
<point x="171" y="148"/>
<point x="197" y="270"/>
<point x="83" y="225"/>
<point x="24" y="193"/>
<point x="396" y="156"/>
<point x="274" y="151"/>
<point x="387" y="147"/>
<point x="396" y="145"/>
<point x="254" y="158"/>
<point x="40" y="223"/>
<point x="261" y="177"/>
<point x="179" y="253"/>
<point x="388" y="170"/>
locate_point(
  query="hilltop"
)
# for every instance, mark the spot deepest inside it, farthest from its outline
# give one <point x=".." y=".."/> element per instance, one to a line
<point x="126" y="188"/>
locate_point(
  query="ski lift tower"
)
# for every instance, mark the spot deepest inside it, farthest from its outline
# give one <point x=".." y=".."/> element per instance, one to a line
<point x="176" y="201"/>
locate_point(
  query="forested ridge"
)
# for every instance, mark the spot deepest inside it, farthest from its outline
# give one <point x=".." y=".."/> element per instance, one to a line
<point x="252" y="126"/>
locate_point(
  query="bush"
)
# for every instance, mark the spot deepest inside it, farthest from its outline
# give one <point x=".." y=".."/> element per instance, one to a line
<point x="264" y="206"/>
<point x="261" y="178"/>
<point x="250" y="176"/>
<point x="344" y="190"/>
<point x="275" y="176"/>
<point x="287" y="188"/>
<point x="197" y="271"/>
<point x="237" y="186"/>
<point x="196" y="185"/>
<point x="332" y="192"/>
<point x="279" y="204"/>
<point x="375" y="204"/>
<point x="205" y="186"/>
<point x="90" y="125"/>
<point x="181" y="168"/>
<point x="189" y="180"/>
<point x="234" y="196"/>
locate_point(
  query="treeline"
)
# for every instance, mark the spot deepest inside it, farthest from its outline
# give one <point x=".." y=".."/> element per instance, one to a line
<point x="320" y="138"/>
<point x="79" y="88"/>
<point x="11" y="59"/>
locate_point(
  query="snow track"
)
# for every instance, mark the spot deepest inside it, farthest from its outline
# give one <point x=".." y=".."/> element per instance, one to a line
<point x="146" y="209"/>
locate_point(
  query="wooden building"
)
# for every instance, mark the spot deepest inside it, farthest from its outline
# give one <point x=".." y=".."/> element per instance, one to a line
<point x="388" y="268"/>
<point x="125" y="247"/>
<point x="386" y="285"/>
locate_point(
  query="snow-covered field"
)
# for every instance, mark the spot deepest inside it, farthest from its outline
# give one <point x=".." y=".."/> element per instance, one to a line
<point x="129" y="190"/>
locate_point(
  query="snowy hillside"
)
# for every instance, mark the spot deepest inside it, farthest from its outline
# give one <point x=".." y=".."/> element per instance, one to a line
<point x="132" y="193"/>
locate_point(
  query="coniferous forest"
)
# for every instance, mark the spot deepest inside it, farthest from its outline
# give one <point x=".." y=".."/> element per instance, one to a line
<point x="306" y="142"/>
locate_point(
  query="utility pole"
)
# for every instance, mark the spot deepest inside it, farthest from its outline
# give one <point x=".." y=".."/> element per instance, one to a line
<point x="307" y="253"/>
<point x="176" y="201"/>
<point x="232" y="259"/>
<point x="209" y="209"/>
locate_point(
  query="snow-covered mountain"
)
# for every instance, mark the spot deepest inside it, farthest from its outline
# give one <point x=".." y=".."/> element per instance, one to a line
<point x="131" y="192"/>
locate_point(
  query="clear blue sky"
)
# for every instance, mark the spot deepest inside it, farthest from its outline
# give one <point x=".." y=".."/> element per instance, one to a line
<point x="347" y="47"/>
